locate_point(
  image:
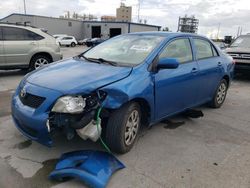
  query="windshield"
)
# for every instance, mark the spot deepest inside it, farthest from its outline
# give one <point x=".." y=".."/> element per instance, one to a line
<point x="242" y="42"/>
<point x="127" y="50"/>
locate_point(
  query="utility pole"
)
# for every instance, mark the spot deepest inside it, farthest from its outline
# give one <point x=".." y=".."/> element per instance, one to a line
<point x="24" y="6"/>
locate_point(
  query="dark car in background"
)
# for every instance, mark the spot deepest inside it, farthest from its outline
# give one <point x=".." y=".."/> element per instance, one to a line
<point x="93" y="42"/>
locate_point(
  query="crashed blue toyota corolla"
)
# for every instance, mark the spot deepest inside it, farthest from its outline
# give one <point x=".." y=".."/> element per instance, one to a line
<point x="126" y="82"/>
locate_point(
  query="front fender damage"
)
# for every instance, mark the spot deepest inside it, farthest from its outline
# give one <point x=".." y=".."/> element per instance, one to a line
<point x="115" y="98"/>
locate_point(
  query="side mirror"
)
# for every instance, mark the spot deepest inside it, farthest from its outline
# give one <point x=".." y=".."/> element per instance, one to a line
<point x="168" y="63"/>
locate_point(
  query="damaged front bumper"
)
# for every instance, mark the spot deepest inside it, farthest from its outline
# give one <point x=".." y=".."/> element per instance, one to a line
<point x="30" y="105"/>
<point x="31" y="112"/>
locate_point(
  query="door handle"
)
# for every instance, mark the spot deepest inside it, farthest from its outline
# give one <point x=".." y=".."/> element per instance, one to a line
<point x="219" y="63"/>
<point x="194" y="70"/>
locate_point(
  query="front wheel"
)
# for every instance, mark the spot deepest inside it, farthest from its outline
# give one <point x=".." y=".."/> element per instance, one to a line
<point x="123" y="127"/>
<point x="38" y="61"/>
<point x="220" y="94"/>
<point x="73" y="44"/>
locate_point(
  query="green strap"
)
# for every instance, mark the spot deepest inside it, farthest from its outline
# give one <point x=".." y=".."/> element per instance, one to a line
<point x="98" y="129"/>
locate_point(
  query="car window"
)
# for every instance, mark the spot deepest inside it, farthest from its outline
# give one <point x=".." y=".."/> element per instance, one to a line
<point x="203" y="49"/>
<point x="179" y="49"/>
<point x="17" y="34"/>
<point x="67" y="38"/>
<point x="29" y="35"/>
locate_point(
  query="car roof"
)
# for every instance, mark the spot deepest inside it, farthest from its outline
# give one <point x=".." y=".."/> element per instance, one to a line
<point x="168" y="34"/>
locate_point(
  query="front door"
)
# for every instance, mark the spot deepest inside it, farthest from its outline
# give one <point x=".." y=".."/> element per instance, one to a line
<point x="18" y="45"/>
<point x="175" y="89"/>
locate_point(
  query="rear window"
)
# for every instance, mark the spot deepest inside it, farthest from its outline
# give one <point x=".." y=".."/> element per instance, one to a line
<point x="67" y="38"/>
<point x="203" y="49"/>
<point x="17" y="34"/>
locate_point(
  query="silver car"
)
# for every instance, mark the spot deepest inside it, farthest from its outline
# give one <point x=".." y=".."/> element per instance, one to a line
<point x="26" y="47"/>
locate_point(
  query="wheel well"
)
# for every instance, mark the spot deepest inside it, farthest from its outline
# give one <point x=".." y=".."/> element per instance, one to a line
<point x="44" y="54"/>
<point x="226" y="77"/>
<point x="145" y="109"/>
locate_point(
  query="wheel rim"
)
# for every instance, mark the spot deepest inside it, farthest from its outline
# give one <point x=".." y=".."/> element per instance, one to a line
<point x="221" y="94"/>
<point x="40" y="62"/>
<point x="132" y="127"/>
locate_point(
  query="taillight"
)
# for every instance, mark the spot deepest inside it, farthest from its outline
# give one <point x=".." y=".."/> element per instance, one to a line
<point x="233" y="61"/>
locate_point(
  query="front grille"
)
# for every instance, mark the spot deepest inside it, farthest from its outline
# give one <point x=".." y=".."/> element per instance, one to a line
<point x="239" y="55"/>
<point x="32" y="101"/>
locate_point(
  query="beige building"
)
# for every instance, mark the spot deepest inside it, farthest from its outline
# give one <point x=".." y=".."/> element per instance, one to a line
<point x="124" y="13"/>
<point x="108" y="18"/>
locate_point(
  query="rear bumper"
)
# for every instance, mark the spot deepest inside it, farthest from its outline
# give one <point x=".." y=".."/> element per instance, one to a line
<point x="32" y="122"/>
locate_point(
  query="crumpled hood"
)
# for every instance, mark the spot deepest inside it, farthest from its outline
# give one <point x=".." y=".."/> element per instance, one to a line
<point x="74" y="75"/>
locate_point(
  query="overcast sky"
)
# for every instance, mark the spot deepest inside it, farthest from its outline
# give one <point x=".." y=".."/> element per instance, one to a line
<point x="229" y="14"/>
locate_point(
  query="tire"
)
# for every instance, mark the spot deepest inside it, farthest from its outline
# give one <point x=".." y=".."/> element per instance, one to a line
<point x="73" y="44"/>
<point x="220" y="94"/>
<point x="123" y="121"/>
<point x="60" y="44"/>
<point x="38" y="61"/>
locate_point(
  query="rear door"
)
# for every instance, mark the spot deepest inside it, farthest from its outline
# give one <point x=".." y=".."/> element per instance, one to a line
<point x="210" y="66"/>
<point x="2" y="61"/>
<point x="18" y="45"/>
<point x="176" y="89"/>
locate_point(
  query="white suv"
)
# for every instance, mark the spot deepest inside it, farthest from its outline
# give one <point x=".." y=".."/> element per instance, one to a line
<point x="26" y="47"/>
<point x="67" y="41"/>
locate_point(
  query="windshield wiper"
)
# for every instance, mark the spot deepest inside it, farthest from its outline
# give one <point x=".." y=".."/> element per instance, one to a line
<point x="99" y="60"/>
<point x="89" y="59"/>
<point x="113" y="63"/>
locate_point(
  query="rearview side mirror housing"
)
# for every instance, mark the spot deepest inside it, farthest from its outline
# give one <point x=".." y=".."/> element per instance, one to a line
<point x="168" y="63"/>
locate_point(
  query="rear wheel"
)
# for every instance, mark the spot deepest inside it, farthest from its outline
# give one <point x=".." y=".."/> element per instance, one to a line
<point x="73" y="44"/>
<point x="38" y="61"/>
<point x="123" y="127"/>
<point x="220" y="94"/>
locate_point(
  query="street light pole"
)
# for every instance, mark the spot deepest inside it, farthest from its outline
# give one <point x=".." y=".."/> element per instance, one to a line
<point x="24" y="6"/>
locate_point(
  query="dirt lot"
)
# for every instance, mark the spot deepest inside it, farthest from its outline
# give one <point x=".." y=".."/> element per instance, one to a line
<point x="213" y="151"/>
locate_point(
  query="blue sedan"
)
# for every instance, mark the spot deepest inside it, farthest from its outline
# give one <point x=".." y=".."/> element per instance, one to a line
<point x="123" y="83"/>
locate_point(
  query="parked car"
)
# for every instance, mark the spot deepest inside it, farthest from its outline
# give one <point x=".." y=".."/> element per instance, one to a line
<point x="67" y="41"/>
<point x="83" y="41"/>
<point x="26" y="47"/>
<point x="93" y="42"/>
<point x="123" y="83"/>
<point x="240" y="51"/>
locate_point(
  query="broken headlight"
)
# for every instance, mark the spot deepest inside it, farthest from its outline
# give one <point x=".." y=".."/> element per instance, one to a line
<point x="69" y="104"/>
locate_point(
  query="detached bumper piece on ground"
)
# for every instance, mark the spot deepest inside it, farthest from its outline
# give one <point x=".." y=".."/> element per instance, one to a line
<point x="94" y="168"/>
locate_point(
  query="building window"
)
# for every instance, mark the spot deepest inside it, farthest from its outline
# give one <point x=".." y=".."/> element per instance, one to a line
<point x="70" y="24"/>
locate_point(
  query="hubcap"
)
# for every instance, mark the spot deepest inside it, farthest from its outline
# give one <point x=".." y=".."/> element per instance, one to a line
<point x="40" y="62"/>
<point x="132" y="127"/>
<point x="221" y="93"/>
